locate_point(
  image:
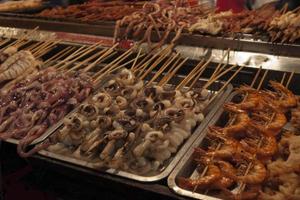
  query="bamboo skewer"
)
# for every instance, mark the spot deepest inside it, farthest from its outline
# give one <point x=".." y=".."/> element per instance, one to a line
<point x="226" y="83"/>
<point x="203" y="68"/>
<point x="211" y="81"/>
<point x="69" y="57"/>
<point x="86" y="52"/>
<point x="79" y="53"/>
<point x="161" y="53"/>
<point x="59" y="55"/>
<point x="162" y="69"/>
<point x="173" y="72"/>
<point x="190" y="76"/>
<point x="136" y="59"/>
<point x="154" y="65"/>
<point x="82" y="63"/>
<point x="98" y="76"/>
<point x="151" y="56"/>
<point x="220" y="64"/>
<point x="169" y="71"/>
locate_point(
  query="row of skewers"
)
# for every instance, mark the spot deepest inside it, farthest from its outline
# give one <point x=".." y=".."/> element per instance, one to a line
<point x="36" y="94"/>
<point x="92" y="11"/>
<point x="251" y="157"/>
<point x="135" y="125"/>
<point x="163" y="18"/>
<point x="123" y="123"/>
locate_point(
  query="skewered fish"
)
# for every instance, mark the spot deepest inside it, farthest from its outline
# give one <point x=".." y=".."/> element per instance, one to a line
<point x="17" y="64"/>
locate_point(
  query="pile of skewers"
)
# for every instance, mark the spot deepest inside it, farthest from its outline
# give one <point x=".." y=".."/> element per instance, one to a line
<point x="242" y="160"/>
<point x="162" y="18"/>
<point x="35" y="98"/>
<point x="136" y="125"/>
<point x="92" y="11"/>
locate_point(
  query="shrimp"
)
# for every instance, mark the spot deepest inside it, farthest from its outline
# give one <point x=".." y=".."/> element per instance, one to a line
<point x="242" y="121"/>
<point x="229" y="148"/>
<point x="224" y="182"/>
<point x="213" y="174"/>
<point x="268" y="145"/>
<point x="256" y="175"/>
<point x="275" y="124"/>
<point x="252" y="101"/>
<point x="289" y="100"/>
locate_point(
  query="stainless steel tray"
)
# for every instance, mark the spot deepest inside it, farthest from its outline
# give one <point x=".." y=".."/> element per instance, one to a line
<point x="187" y="167"/>
<point x="171" y="163"/>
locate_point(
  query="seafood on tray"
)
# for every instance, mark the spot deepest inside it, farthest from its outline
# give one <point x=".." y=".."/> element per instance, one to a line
<point x="129" y="125"/>
<point x="162" y="18"/>
<point x="21" y="5"/>
<point x="34" y="104"/>
<point x="244" y="159"/>
<point x="15" y="63"/>
<point x="92" y="11"/>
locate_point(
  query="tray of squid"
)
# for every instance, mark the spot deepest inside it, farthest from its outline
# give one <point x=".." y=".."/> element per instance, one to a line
<point x="232" y="158"/>
<point x="35" y="95"/>
<point x="138" y="126"/>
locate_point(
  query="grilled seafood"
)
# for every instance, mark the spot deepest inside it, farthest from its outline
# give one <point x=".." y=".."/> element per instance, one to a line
<point x="39" y="102"/>
<point x="213" y="175"/>
<point x="149" y="124"/>
<point x="17" y="64"/>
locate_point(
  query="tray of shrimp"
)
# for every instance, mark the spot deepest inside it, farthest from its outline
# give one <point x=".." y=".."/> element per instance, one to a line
<point x="138" y="129"/>
<point x="234" y="156"/>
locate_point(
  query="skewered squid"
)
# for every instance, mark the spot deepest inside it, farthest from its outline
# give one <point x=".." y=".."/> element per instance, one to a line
<point x="127" y="125"/>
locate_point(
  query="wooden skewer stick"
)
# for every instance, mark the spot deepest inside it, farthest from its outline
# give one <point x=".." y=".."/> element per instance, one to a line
<point x="199" y="74"/>
<point x="40" y="45"/>
<point x="169" y="71"/>
<point x="158" y="54"/>
<point x="162" y="69"/>
<point x="256" y="76"/>
<point x="70" y="62"/>
<point x="227" y="82"/>
<point x="69" y="57"/>
<point x="59" y="55"/>
<point x="174" y="72"/>
<point x="45" y="48"/>
<point x="79" y="53"/>
<point x="82" y="63"/>
<point x="130" y="61"/>
<point x="32" y="46"/>
<point x="136" y="59"/>
<point x="290" y="79"/>
<point x="191" y="75"/>
<point x="145" y="61"/>
<point x="112" y="64"/>
<point x="211" y="81"/>
<point x="154" y="65"/>
<point x="262" y="80"/>
<point x="218" y="70"/>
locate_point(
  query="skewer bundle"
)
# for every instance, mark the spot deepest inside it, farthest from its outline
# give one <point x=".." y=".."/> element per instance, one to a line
<point x="132" y="124"/>
<point x="35" y="100"/>
<point x="233" y="159"/>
